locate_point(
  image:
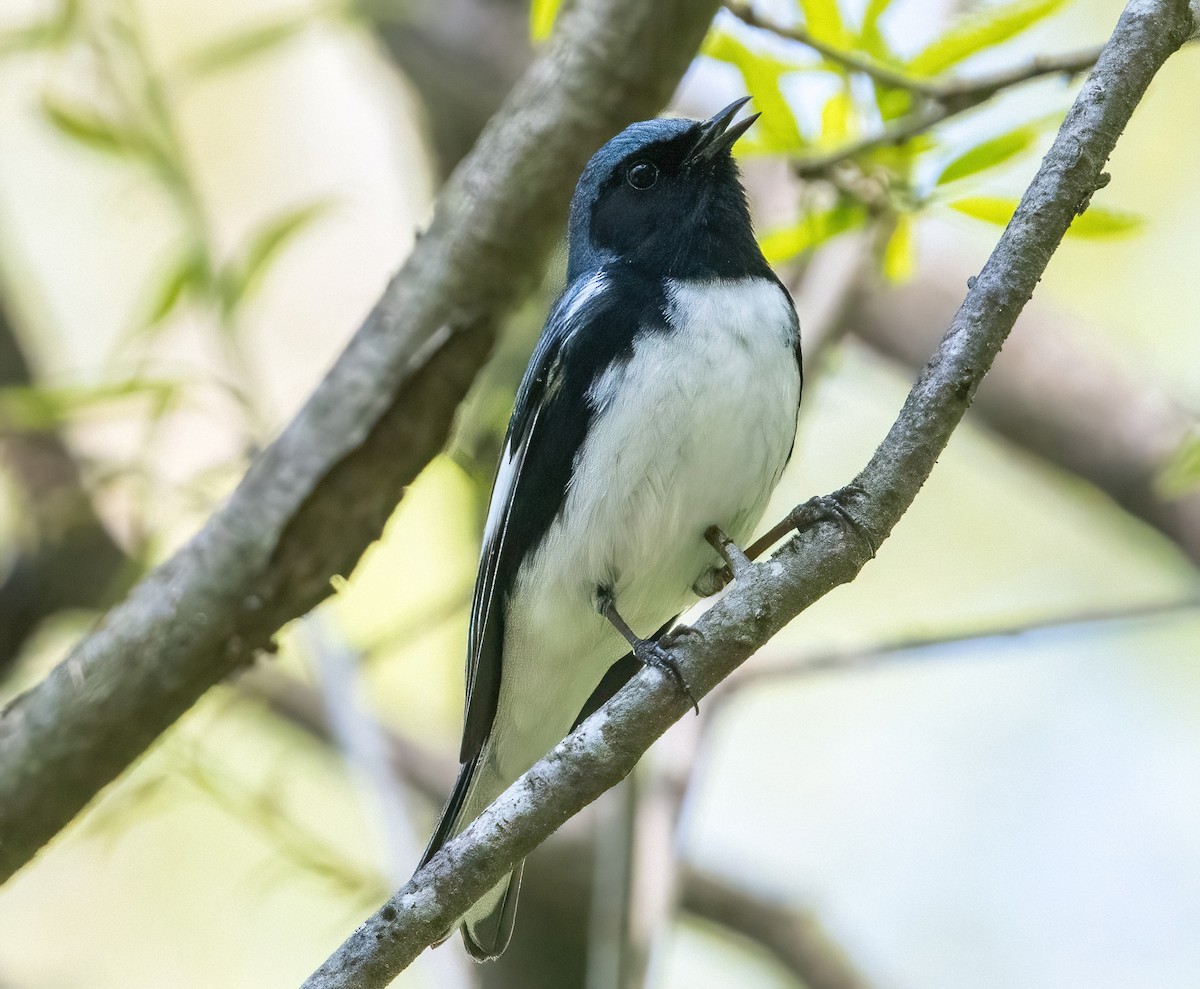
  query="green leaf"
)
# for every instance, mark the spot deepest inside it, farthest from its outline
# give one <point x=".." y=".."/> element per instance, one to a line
<point x="188" y="275"/>
<point x="900" y="254"/>
<point x="1096" y="223"/>
<point x="85" y="125"/>
<point x="984" y="29"/>
<point x="264" y="247"/>
<point x="246" y="45"/>
<point x="824" y="21"/>
<point x="777" y="128"/>
<point x="990" y="209"/>
<point x="871" y="39"/>
<point x="989" y="154"/>
<point x="31" y="408"/>
<point x="875" y="10"/>
<point x="1100" y="221"/>
<point x="542" y="15"/>
<point x="837" y="120"/>
<point x="1182" y="473"/>
<point x="814" y="229"/>
<point x="53" y="32"/>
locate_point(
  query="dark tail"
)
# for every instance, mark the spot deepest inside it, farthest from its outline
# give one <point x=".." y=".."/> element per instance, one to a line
<point x="487" y="927"/>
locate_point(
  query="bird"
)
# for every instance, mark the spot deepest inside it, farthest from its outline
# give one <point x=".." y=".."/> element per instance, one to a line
<point x="660" y="401"/>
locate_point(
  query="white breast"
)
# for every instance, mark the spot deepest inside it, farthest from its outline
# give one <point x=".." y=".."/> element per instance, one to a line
<point x="693" y="430"/>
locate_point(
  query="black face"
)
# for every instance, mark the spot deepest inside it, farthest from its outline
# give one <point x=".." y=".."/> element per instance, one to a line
<point x="661" y="210"/>
<point x="664" y="197"/>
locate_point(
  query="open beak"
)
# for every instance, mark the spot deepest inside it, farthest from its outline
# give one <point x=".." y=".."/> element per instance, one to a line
<point x="717" y="136"/>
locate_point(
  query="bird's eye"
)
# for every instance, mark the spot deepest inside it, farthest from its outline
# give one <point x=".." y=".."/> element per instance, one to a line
<point x="641" y="175"/>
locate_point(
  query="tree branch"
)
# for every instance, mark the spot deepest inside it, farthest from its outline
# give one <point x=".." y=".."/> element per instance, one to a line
<point x="313" y="501"/>
<point x="1054" y="397"/>
<point x="952" y="91"/>
<point x="794" y="936"/>
<point x="769" y="594"/>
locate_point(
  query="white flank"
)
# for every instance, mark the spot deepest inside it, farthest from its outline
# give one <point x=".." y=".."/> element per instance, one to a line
<point x="693" y="430"/>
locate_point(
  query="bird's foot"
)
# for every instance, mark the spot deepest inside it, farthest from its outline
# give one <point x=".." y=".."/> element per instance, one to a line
<point x="655" y="654"/>
<point x="737" y="563"/>
<point x="821" y="508"/>
<point x="712" y="581"/>
<point x="673" y="636"/>
<point x="647" y="651"/>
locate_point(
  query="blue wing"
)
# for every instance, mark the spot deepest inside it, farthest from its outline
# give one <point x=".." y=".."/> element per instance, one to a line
<point x="592" y="324"/>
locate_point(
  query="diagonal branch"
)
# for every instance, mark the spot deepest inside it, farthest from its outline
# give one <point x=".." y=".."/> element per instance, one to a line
<point x="793" y="935"/>
<point x="319" y="495"/>
<point x="769" y="594"/>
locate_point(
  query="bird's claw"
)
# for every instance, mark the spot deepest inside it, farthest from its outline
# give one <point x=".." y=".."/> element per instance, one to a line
<point x="653" y="654"/>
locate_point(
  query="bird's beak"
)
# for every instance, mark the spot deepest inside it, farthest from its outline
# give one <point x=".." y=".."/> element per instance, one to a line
<point x="716" y="135"/>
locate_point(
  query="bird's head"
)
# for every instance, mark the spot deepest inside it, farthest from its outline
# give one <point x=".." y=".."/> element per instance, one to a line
<point x="664" y="196"/>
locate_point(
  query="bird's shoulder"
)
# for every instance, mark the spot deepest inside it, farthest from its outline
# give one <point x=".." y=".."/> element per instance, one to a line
<point x="594" y="319"/>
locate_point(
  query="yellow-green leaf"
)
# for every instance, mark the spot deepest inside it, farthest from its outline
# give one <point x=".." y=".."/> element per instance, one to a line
<point x="989" y="154"/>
<point x="900" y="254"/>
<point x="264" y="247"/>
<point x="990" y="209"/>
<point x="1097" y="222"/>
<point x="88" y="127"/>
<point x="24" y="408"/>
<point x="1182" y="473"/>
<point x="244" y="46"/>
<point x="814" y="229"/>
<point x="837" y="120"/>
<point x="542" y="15"/>
<point x="777" y="128"/>
<point x="1100" y="221"/>
<point x="53" y="32"/>
<point x="875" y="10"/>
<point x="188" y="275"/>
<point x="824" y="21"/>
<point x="985" y="28"/>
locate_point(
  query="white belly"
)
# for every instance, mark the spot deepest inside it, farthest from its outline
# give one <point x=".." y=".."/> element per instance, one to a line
<point x="693" y="431"/>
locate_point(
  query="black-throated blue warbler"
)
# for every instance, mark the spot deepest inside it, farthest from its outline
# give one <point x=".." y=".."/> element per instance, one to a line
<point x="660" y="401"/>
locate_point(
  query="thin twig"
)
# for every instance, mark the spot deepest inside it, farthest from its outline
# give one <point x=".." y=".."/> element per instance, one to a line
<point x="792" y="934"/>
<point x="939" y="99"/>
<point x="851" y="60"/>
<point x="950" y="90"/>
<point x="845" y="659"/>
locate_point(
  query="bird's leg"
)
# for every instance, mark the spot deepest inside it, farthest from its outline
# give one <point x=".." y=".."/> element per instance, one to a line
<point x="736" y="563"/>
<point x="822" y="508"/>
<point x="646" y="651"/>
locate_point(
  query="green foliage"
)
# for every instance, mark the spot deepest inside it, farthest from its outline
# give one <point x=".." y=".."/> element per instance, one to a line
<point x="989" y="154"/>
<point x="899" y="259"/>
<point x="32" y="409"/>
<point x="245" y="46"/>
<point x="816" y="227"/>
<point x="777" y="130"/>
<point x="824" y="21"/>
<point x="542" y="15"/>
<point x="53" y="32"/>
<point x="242" y="277"/>
<point x="981" y="30"/>
<point x="882" y="181"/>
<point x="1101" y="221"/>
<point x="1182" y="474"/>
<point x="189" y="275"/>
<point x="88" y="127"/>
<point x="1096" y="222"/>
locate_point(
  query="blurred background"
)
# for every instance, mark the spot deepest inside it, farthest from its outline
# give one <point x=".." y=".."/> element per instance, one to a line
<point x="977" y="765"/>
